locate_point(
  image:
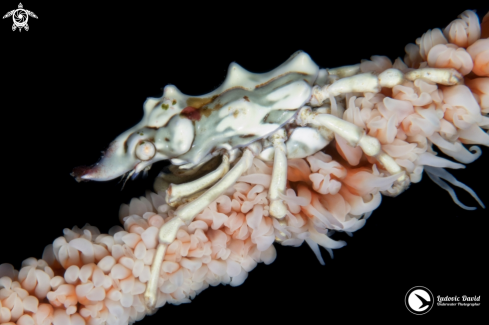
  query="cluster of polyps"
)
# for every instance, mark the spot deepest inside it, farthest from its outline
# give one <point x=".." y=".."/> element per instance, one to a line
<point x="286" y="156"/>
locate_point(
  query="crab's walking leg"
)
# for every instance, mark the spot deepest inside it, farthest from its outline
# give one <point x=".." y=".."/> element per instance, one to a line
<point x="176" y="192"/>
<point x="344" y="71"/>
<point x="446" y="77"/>
<point x="390" y="77"/>
<point x="354" y="135"/>
<point x="370" y="83"/>
<point x="279" y="175"/>
<point x="184" y="216"/>
<point x="179" y="176"/>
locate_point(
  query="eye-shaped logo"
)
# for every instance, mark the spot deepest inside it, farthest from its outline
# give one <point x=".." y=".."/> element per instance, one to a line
<point x="419" y="300"/>
<point x="20" y="17"/>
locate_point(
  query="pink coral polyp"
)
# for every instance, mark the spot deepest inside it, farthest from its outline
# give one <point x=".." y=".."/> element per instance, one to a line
<point x="479" y="51"/>
<point x="450" y="56"/>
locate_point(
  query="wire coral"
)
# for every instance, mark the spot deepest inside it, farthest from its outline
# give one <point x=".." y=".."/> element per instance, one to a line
<point x="85" y="277"/>
<point x="100" y="278"/>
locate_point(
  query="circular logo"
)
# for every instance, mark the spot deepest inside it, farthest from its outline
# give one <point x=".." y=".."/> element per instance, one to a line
<point x="419" y="300"/>
<point x="20" y="17"/>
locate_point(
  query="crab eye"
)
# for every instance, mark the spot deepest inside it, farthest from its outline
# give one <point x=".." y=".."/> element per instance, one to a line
<point x="145" y="150"/>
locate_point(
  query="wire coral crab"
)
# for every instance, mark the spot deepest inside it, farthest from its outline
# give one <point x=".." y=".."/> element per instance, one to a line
<point x="326" y="145"/>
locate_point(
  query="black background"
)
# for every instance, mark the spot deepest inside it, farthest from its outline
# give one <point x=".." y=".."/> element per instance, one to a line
<point x="79" y="77"/>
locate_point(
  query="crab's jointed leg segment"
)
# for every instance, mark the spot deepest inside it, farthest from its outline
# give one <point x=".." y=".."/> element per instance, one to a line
<point x="349" y="80"/>
<point x="367" y="82"/>
<point x="176" y="192"/>
<point x="188" y="212"/>
<point x="279" y="175"/>
<point x="185" y="215"/>
<point x="180" y="176"/>
<point x="370" y="83"/>
<point x="354" y="135"/>
<point x="446" y="77"/>
<point x="344" y="71"/>
<point x="150" y="294"/>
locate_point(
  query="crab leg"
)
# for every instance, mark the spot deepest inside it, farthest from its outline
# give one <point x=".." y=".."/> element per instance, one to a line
<point x="354" y="135"/>
<point x="279" y="175"/>
<point x="446" y="77"/>
<point x="179" y="176"/>
<point x="208" y="163"/>
<point x="370" y="83"/>
<point x="344" y="71"/>
<point x="185" y="215"/>
<point x="176" y="192"/>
